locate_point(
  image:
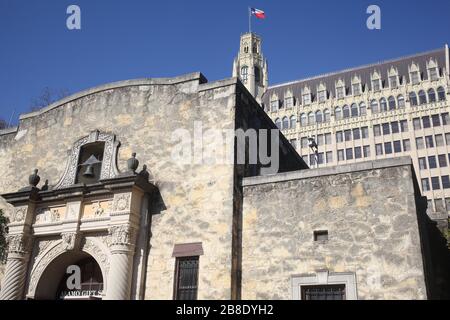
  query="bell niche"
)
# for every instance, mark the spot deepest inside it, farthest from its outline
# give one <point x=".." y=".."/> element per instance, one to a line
<point x="90" y="163"/>
<point x="91" y="159"/>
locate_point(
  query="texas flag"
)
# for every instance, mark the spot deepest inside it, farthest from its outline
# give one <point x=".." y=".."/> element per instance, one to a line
<point x="258" y="13"/>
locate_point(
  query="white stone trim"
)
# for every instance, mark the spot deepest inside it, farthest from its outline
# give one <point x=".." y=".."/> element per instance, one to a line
<point x="324" y="278"/>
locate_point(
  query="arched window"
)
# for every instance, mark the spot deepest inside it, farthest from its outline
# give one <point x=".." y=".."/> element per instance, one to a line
<point x="244" y="74"/>
<point x="400" y="101"/>
<point x="362" y="109"/>
<point x="319" y="116"/>
<point x="303" y="120"/>
<point x="257" y="74"/>
<point x="422" y="97"/>
<point x="374" y="106"/>
<point x="326" y="115"/>
<point x="311" y="118"/>
<point x="391" y="101"/>
<point x="338" y="113"/>
<point x="413" y="98"/>
<point x="285" y="123"/>
<point x="354" y="110"/>
<point x="293" y="122"/>
<point x="441" y="94"/>
<point x="278" y="123"/>
<point x="346" y="111"/>
<point x="383" y="105"/>
<point x="431" y="95"/>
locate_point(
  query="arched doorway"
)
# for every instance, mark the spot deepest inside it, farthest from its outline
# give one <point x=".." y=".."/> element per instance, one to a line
<point x="53" y="283"/>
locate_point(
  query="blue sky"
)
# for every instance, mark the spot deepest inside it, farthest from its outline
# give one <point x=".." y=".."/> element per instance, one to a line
<point x="146" y="38"/>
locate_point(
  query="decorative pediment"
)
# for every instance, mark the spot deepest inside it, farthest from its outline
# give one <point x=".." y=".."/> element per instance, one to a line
<point x="107" y="165"/>
<point x="413" y="67"/>
<point x="356" y="79"/>
<point x="321" y="87"/>
<point x="431" y="64"/>
<point x="288" y="94"/>
<point x="340" y="83"/>
<point x="306" y="90"/>
<point x="375" y="75"/>
<point x="392" y="72"/>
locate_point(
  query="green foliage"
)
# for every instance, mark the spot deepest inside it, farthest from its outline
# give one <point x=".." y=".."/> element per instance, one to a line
<point x="3" y="231"/>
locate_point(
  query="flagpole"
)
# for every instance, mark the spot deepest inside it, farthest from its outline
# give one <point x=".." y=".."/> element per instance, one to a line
<point x="249" y="20"/>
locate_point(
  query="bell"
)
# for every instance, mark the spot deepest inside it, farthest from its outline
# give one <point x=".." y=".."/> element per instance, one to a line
<point x="89" y="172"/>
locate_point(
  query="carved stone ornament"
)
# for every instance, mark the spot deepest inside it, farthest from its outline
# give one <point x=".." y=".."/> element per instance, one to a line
<point x="47" y="215"/>
<point x="109" y="164"/>
<point x="18" y="215"/>
<point x="95" y="250"/>
<point x="69" y="241"/>
<point x="18" y="243"/>
<point x="98" y="210"/>
<point x="120" y="235"/>
<point x="122" y="202"/>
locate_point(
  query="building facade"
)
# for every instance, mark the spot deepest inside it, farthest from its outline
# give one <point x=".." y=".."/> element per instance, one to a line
<point x="384" y="110"/>
<point x="124" y="197"/>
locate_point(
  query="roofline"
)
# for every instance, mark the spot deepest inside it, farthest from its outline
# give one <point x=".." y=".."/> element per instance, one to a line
<point x="328" y="171"/>
<point x="354" y="68"/>
<point x="118" y="84"/>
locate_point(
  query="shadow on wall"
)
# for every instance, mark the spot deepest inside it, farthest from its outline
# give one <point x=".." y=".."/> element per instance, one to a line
<point x="438" y="257"/>
<point x="436" y="253"/>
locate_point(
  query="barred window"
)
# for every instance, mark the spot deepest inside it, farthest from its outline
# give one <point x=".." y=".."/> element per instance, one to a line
<point x="186" y="278"/>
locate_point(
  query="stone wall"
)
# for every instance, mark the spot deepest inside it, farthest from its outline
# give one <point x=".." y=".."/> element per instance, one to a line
<point x="143" y="115"/>
<point x="201" y="200"/>
<point x="370" y="212"/>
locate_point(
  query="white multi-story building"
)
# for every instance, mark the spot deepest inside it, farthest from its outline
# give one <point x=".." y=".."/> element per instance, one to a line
<point x="388" y="109"/>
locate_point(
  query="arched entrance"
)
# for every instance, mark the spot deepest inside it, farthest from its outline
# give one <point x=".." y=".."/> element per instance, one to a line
<point x="53" y="283"/>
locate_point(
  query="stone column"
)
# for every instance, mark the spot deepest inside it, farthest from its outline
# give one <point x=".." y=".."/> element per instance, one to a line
<point x="121" y="244"/>
<point x="16" y="268"/>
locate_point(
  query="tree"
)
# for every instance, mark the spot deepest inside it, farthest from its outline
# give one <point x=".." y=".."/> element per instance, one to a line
<point x="3" y="231"/>
<point x="3" y="124"/>
<point x="47" y="97"/>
